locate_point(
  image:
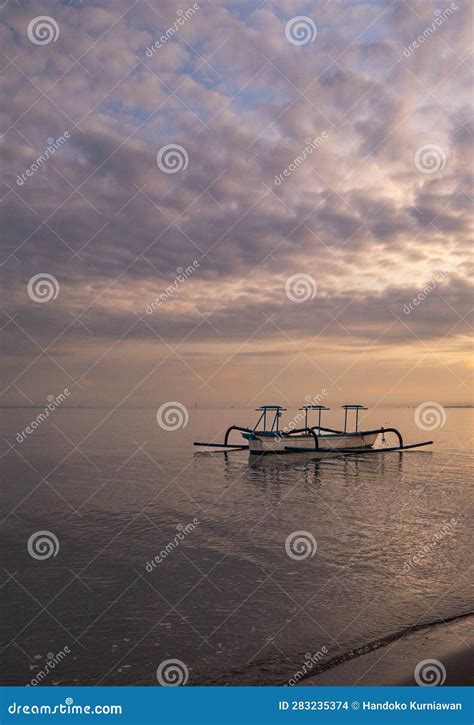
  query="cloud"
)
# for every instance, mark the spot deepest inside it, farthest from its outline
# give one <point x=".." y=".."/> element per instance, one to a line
<point x="227" y="86"/>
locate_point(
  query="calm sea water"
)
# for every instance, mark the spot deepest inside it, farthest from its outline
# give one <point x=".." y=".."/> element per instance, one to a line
<point x="228" y="601"/>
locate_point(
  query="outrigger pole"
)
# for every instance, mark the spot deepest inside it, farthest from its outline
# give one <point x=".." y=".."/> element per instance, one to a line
<point x="226" y="440"/>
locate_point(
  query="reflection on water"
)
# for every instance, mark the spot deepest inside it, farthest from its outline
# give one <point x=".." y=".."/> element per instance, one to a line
<point x="274" y="470"/>
<point x="227" y="599"/>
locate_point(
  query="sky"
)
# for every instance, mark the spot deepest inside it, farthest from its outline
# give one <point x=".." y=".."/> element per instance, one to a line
<point x="243" y="202"/>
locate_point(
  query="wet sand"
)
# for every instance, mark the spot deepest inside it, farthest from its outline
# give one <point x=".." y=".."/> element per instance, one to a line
<point x="451" y="644"/>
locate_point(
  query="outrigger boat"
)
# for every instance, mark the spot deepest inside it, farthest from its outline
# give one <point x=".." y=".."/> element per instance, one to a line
<point x="266" y="436"/>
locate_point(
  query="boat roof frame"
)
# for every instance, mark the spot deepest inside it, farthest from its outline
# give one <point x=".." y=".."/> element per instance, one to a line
<point x="277" y="414"/>
<point x="270" y="407"/>
<point x="314" y="407"/>
<point x="352" y="406"/>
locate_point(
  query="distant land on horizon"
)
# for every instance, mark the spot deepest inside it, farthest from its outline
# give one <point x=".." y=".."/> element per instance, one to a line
<point x="202" y="407"/>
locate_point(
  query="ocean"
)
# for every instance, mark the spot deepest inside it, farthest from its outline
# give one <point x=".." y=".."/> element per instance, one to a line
<point x="238" y="569"/>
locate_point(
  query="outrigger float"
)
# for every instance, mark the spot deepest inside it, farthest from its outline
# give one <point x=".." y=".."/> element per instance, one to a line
<point x="266" y="437"/>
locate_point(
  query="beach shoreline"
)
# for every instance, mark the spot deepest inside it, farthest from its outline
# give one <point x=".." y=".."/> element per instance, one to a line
<point x="450" y="644"/>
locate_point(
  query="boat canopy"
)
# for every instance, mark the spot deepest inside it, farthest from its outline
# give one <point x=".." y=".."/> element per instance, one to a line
<point x="319" y="408"/>
<point x="353" y="406"/>
<point x="264" y="409"/>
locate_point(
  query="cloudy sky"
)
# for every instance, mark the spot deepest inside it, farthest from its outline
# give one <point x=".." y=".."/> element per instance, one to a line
<point x="307" y="162"/>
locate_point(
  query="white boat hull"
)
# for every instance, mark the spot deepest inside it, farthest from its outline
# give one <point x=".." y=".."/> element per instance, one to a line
<point x="331" y="442"/>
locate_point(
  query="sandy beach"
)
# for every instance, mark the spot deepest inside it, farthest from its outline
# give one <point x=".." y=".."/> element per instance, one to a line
<point x="394" y="664"/>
